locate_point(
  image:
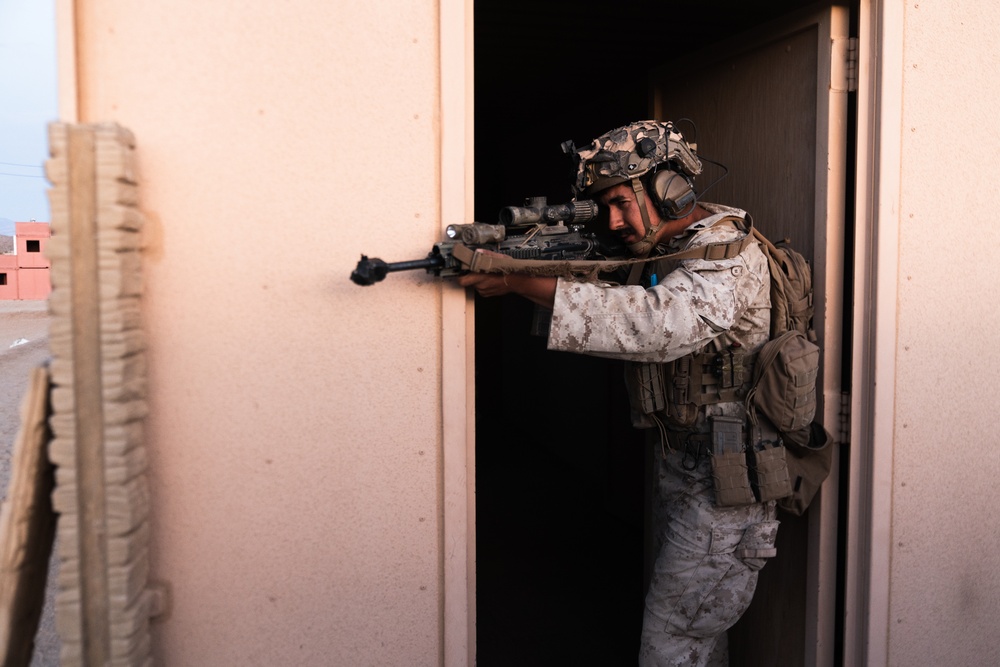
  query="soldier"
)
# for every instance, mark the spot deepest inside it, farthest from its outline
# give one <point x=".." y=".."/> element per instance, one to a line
<point x="688" y="328"/>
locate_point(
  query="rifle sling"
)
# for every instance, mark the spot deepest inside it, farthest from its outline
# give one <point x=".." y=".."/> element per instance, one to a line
<point x="490" y="262"/>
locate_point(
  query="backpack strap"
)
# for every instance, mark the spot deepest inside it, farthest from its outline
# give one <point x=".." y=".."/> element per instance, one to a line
<point x="716" y="251"/>
<point x="709" y="251"/>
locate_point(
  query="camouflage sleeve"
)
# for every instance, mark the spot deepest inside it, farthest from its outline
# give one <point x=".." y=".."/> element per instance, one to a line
<point x="689" y="307"/>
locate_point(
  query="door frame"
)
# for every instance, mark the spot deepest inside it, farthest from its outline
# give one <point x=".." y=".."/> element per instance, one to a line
<point x="457" y="550"/>
<point x="877" y="186"/>
<point x="876" y="247"/>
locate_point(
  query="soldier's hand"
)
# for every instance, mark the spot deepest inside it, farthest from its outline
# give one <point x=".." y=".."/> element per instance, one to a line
<point x="537" y="289"/>
<point x="486" y="284"/>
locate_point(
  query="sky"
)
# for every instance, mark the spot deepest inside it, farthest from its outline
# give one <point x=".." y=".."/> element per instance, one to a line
<point x="27" y="105"/>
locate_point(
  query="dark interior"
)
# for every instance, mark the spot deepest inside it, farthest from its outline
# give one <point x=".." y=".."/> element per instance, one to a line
<point x="559" y="470"/>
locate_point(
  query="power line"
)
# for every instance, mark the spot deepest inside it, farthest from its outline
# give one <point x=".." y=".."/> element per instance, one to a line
<point x="18" y="164"/>
<point x="4" y="173"/>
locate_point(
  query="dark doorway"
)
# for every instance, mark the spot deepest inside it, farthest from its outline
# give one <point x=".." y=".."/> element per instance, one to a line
<point x="559" y="470"/>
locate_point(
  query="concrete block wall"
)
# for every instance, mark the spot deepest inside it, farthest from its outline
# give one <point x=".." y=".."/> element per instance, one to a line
<point x="98" y="371"/>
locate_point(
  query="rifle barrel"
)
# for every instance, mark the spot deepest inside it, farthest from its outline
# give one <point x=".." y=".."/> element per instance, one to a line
<point x="372" y="270"/>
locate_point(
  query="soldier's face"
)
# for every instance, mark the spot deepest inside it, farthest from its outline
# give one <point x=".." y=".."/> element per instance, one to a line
<point x="625" y="219"/>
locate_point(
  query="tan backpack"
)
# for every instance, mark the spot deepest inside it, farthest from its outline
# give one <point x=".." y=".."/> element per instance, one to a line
<point x="784" y="379"/>
<point x="783" y="388"/>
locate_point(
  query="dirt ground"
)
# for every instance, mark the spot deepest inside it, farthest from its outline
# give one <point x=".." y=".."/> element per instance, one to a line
<point x="24" y="345"/>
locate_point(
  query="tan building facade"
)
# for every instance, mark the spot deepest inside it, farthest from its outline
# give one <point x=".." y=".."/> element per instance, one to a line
<point x="25" y="275"/>
<point x="312" y="443"/>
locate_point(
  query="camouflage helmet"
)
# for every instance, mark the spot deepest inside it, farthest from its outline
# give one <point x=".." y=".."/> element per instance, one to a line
<point x="629" y="152"/>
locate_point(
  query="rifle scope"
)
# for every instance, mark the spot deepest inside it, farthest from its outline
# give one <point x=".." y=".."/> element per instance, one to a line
<point x="537" y="211"/>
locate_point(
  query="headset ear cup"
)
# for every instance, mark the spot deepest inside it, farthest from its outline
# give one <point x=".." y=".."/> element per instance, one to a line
<point x="672" y="192"/>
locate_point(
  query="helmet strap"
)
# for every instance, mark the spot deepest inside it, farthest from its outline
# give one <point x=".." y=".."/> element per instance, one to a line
<point x="644" y="246"/>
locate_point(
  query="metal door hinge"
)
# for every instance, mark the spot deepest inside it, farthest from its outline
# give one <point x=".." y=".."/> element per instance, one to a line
<point x="852" y="64"/>
<point x="844" y="64"/>
<point x="845" y="418"/>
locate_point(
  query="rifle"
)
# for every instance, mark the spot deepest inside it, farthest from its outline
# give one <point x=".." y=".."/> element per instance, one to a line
<point x="535" y="231"/>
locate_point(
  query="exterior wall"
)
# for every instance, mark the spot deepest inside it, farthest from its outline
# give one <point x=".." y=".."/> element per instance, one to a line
<point x="33" y="284"/>
<point x="26" y="273"/>
<point x="8" y="284"/>
<point x="945" y="559"/>
<point x="295" y="418"/>
<point x="34" y="281"/>
<point x="295" y="429"/>
<point x="31" y="240"/>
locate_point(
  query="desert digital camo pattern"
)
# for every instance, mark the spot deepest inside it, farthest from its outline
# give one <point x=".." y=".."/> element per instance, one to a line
<point x="706" y="567"/>
<point x="619" y="155"/>
<point x="689" y="307"/>
<point x="708" y="557"/>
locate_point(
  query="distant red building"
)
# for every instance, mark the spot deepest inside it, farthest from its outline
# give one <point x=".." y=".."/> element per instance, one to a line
<point x="25" y="275"/>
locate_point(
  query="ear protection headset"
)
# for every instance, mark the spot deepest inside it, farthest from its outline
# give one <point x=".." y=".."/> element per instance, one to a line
<point x="673" y="193"/>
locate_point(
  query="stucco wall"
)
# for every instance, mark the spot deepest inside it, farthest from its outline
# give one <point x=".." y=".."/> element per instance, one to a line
<point x="295" y="417"/>
<point x="945" y="568"/>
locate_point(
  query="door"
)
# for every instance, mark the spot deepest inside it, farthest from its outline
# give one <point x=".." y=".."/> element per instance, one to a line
<point x="772" y="107"/>
<point x="558" y="523"/>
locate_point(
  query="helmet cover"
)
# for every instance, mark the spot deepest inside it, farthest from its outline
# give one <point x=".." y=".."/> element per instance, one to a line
<point x="629" y="152"/>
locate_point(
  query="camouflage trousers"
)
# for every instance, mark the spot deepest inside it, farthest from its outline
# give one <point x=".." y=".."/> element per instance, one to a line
<point x="706" y="566"/>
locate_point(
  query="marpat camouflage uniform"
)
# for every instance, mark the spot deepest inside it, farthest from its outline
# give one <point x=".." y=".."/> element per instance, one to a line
<point x="708" y="556"/>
